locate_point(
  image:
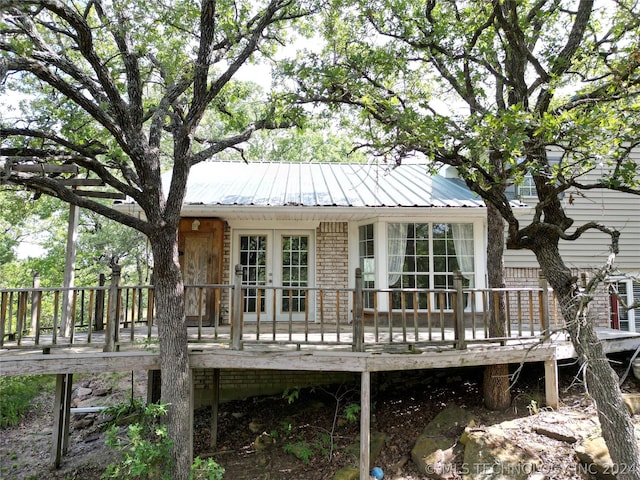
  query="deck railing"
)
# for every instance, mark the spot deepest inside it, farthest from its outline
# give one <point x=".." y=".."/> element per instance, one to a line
<point x="239" y="316"/>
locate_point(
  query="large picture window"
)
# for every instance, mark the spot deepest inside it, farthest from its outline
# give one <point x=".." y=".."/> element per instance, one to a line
<point x="425" y="255"/>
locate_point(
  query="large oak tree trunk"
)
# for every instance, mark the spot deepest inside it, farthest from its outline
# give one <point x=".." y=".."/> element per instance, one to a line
<point x="602" y="381"/>
<point x="497" y="395"/>
<point x="174" y="360"/>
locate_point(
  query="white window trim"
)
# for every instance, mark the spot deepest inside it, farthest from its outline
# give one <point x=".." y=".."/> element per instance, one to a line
<point x="380" y="236"/>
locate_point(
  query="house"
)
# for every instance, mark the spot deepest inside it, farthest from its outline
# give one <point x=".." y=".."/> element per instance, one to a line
<point x="584" y="256"/>
<point x="311" y="225"/>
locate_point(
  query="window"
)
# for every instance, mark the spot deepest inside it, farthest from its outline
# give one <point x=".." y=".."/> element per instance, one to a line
<point x="295" y="271"/>
<point x="425" y="256"/>
<point x="366" y="248"/>
<point x="253" y="259"/>
<point x="628" y="293"/>
<point x="527" y="188"/>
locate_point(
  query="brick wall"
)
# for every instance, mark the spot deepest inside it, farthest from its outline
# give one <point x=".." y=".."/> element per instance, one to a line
<point x="332" y="269"/>
<point x="599" y="308"/>
<point x="226" y="280"/>
<point x="240" y="384"/>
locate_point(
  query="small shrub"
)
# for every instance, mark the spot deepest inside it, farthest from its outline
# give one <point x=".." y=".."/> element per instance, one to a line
<point x="16" y="394"/>
<point x="300" y="449"/>
<point x="352" y="412"/>
<point x="207" y="469"/>
<point x="146" y="448"/>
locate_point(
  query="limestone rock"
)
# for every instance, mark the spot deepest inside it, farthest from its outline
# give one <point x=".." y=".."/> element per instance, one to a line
<point x="255" y="427"/>
<point x="562" y="434"/>
<point x="376" y="444"/>
<point x="263" y="442"/>
<point x="347" y="473"/>
<point x="82" y="392"/>
<point x="489" y="455"/>
<point x="594" y="455"/>
<point x="632" y="401"/>
<point x="434" y="452"/>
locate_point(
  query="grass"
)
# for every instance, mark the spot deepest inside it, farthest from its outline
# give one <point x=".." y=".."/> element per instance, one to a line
<point x="16" y="394"/>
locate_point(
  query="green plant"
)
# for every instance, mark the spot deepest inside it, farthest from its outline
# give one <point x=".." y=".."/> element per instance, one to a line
<point x="207" y="469"/>
<point x="123" y="409"/>
<point x="352" y="412"/>
<point x="16" y="394"/>
<point x="300" y="449"/>
<point x="291" y="395"/>
<point x="145" y="448"/>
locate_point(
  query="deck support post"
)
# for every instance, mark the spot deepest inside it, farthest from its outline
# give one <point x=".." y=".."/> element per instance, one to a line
<point x="61" y="414"/>
<point x="544" y="303"/>
<point x="365" y="424"/>
<point x="236" y="320"/>
<point x="191" y="415"/>
<point x="552" y="398"/>
<point x="215" y="404"/>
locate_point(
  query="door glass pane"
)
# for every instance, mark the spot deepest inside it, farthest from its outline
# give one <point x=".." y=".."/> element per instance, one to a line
<point x="295" y="269"/>
<point x="253" y="259"/>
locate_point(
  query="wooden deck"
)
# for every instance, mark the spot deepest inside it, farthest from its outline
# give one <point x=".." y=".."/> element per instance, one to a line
<point x="353" y="340"/>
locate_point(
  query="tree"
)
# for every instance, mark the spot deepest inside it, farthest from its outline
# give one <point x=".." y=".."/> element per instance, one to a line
<point x="118" y="91"/>
<point x="489" y="87"/>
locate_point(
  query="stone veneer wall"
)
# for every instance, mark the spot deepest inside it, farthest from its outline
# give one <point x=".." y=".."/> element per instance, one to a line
<point x="599" y="309"/>
<point x="332" y="269"/>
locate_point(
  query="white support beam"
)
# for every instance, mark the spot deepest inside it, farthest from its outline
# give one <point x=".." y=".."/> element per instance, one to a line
<point x="365" y="424"/>
<point x="552" y="396"/>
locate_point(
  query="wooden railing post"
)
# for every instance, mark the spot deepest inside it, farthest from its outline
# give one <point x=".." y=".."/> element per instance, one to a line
<point x="236" y="321"/>
<point x="544" y="303"/>
<point x="113" y="318"/>
<point x="99" y="312"/>
<point x="358" y="320"/>
<point x="35" y="308"/>
<point x="461" y="343"/>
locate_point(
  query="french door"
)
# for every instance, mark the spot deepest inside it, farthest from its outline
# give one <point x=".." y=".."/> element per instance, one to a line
<point x="276" y="269"/>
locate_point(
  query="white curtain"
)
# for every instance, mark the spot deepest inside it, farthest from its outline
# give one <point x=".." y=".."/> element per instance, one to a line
<point x="463" y="242"/>
<point x="397" y="244"/>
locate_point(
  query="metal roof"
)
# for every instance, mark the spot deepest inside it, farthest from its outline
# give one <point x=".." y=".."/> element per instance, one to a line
<point x="323" y="185"/>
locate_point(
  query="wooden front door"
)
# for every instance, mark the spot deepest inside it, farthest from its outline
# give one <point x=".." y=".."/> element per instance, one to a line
<point x="200" y="243"/>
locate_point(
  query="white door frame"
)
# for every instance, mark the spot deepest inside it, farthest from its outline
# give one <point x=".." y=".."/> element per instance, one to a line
<point x="273" y="273"/>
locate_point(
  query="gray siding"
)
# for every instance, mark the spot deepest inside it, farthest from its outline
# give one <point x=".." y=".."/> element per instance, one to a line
<point x="614" y="209"/>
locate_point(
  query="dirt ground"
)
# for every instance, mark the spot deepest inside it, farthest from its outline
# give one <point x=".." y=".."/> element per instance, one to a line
<point x="256" y="436"/>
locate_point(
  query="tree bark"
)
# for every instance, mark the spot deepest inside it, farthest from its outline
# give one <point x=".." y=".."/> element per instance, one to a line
<point x="602" y="381"/>
<point x="496" y="391"/>
<point x="174" y="359"/>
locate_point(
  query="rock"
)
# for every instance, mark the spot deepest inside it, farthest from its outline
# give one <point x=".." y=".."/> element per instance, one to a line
<point x="489" y="455"/>
<point x="347" y="473"/>
<point x="434" y="453"/>
<point x="594" y="455"/>
<point x="83" y="423"/>
<point x="376" y="444"/>
<point x="563" y="434"/>
<point x="632" y="401"/>
<point x="82" y="392"/>
<point x="255" y="427"/>
<point x="263" y="442"/>
<point x="101" y="392"/>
